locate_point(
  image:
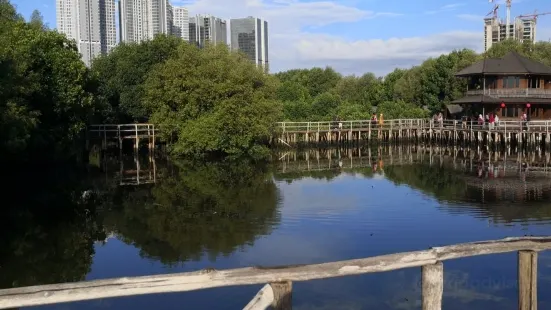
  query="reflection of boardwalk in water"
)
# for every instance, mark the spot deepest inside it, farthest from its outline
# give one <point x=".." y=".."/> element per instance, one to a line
<point x="508" y="163"/>
<point x="475" y="175"/>
<point x="138" y="174"/>
<point x="130" y="170"/>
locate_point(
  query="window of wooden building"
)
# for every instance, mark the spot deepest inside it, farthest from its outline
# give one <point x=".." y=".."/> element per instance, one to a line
<point x="511" y="82"/>
<point x="534" y="83"/>
<point x="491" y="82"/>
<point x="510" y="111"/>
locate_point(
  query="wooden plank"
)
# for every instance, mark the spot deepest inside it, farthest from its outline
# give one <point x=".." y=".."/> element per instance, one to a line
<point x="262" y="300"/>
<point x="433" y="286"/>
<point x="181" y="282"/>
<point x="527" y="280"/>
<point x="282" y="295"/>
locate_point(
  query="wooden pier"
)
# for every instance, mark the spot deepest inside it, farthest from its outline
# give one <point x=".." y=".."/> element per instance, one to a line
<point x="417" y="130"/>
<point x="278" y="292"/>
<point x="117" y="133"/>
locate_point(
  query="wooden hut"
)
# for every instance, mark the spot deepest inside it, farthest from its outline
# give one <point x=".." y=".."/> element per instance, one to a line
<point x="508" y="86"/>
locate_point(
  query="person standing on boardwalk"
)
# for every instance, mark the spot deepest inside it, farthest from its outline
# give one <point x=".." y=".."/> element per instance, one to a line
<point x="491" y="121"/>
<point x="381" y="121"/>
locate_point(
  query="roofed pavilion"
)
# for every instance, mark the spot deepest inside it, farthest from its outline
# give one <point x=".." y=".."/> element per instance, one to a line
<point x="508" y="86"/>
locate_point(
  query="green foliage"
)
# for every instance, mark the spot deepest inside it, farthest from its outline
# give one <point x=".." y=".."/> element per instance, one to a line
<point x="325" y="105"/>
<point x="123" y="72"/>
<point x="540" y="51"/>
<point x="37" y="20"/>
<point x="212" y="101"/>
<point x="45" y="90"/>
<point x="431" y="85"/>
<point x="400" y="109"/>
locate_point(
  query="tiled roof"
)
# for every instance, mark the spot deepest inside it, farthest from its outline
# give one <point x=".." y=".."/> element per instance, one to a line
<point x="512" y="63"/>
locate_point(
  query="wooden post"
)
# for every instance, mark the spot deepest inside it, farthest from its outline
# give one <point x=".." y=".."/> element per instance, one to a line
<point x="119" y="136"/>
<point x="137" y="145"/>
<point x="282" y="295"/>
<point x="527" y="280"/>
<point x="433" y="286"/>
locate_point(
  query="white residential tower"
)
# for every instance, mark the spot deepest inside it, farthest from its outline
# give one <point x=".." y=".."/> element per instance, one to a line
<point x="91" y="23"/>
<point x="141" y="20"/>
<point x="181" y="23"/>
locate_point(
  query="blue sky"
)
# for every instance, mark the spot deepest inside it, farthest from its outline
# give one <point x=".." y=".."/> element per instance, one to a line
<point x="354" y="36"/>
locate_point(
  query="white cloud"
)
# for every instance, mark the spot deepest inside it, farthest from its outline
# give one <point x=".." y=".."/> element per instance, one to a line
<point x="293" y="47"/>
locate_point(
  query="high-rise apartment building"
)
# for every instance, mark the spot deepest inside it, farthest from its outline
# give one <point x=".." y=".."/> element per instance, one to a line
<point x="141" y="20"/>
<point x="206" y="28"/>
<point x="495" y="30"/>
<point x="91" y="23"/>
<point x="250" y="36"/>
<point x="181" y="23"/>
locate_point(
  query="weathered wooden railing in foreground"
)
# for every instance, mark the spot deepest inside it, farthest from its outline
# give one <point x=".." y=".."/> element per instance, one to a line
<point x="278" y="293"/>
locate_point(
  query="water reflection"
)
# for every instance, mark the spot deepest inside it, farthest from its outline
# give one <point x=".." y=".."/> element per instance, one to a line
<point x="306" y="207"/>
<point x="48" y="227"/>
<point x="195" y="209"/>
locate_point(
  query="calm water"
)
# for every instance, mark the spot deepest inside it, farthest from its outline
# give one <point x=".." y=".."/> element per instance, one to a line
<point x="306" y="207"/>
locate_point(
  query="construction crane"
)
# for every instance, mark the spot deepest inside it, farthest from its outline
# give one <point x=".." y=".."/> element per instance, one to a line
<point x="508" y="22"/>
<point x="494" y="11"/>
<point x="535" y="15"/>
<point x="508" y="2"/>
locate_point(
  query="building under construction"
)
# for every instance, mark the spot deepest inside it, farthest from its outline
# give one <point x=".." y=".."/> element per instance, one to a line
<point x="495" y="30"/>
<point x="522" y="28"/>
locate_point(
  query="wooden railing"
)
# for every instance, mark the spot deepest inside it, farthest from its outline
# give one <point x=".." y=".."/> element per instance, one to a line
<point x="124" y="131"/>
<point x="512" y="92"/>
<point x="120" y="132"/>
<point x="414" y="124"/>
<point x="278" y="293"/>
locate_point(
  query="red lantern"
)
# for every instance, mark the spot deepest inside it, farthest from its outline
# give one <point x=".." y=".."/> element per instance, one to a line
<point x="502" y="105"/>
<point x="527" y="105"/>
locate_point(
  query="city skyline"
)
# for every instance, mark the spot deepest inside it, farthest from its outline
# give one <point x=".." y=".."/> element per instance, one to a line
<point x="354" y="37"/>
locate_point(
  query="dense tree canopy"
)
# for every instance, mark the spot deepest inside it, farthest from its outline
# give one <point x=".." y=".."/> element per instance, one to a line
<point x="122" y="75"/>
<point x="45" y="90"/>
<point x="212" y="100"/>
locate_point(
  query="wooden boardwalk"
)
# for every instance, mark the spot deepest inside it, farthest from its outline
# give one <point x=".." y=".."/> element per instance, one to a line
<point x="278" y="292"/>
<point x="118" y="133"/>
<point x="418" y="130"/>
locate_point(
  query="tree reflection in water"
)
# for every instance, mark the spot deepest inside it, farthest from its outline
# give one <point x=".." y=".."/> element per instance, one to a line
<point x="47" y="228"/>
<point x="196" y="209"/>
<point x="512" y="187"/>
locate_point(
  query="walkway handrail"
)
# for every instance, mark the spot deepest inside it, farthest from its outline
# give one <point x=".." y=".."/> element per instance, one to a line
<point x="430" y="260"/>
<point x="405" y="124"/>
